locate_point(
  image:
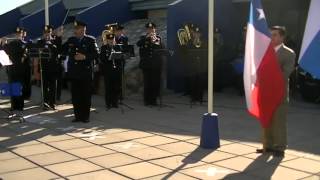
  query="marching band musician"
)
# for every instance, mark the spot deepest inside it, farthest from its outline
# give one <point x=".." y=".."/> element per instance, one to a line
<point x="111" y="69"/>
<point x="49" y="67"/>
<point x="151" y="64"/>
<point x="82" y="49"/>
<point x="197" y="65"/>
<point x="17" y="50"/>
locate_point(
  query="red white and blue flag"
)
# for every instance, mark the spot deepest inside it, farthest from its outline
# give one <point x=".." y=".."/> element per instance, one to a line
<point x="310" y="51"/>
<point x="263" y="79"/>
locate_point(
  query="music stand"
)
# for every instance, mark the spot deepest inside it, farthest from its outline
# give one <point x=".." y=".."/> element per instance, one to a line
<point x="11" y="90"/>
<point x="162" y="52"/>
<point x="41" y="53"/>
<point x="120" y="53"/>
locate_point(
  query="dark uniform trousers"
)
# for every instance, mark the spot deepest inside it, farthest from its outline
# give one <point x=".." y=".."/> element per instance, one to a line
<point x="49" y="89"/>
<point x="81" y="98"/>
<point x="151" y="79"/>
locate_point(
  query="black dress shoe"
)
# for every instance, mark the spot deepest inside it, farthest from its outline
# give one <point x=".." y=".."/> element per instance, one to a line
<point x="75" y="120"/>
<point x="86" y="121"/>
<point x="264" y="150"/>
<point x="278" y="153"/>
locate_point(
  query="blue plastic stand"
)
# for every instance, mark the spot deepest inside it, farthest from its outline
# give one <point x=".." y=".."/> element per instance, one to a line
<point x="210" y="131"/>
<point x="11" y="89"/>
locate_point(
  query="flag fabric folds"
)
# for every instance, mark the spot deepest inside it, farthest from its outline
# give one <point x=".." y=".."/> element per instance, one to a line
<point x="263" y="79"/>
<point x="309" y="59"/>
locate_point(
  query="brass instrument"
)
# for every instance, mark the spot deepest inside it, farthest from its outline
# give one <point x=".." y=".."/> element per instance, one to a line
<point x="184" y="35"/>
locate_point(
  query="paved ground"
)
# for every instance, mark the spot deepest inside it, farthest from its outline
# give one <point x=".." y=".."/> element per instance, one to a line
<point x="154" y="143"/>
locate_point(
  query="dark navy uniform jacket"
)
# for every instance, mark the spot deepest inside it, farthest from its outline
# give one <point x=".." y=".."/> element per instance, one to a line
<point x="86" y="45"/>
<point x="149" y="58"/>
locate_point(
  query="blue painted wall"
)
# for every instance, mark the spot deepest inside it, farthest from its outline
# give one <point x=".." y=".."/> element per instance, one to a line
<point x="109" y="11"/>
<point x="9" y="22"/>
<point x="34" y="23"/>
<point x="185" y="11"/>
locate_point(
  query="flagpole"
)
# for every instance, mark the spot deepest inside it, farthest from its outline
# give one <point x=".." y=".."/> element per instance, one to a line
<point x="46" y="11"/>
<point x="210" y="129"/>
<point x="210" y="55"/>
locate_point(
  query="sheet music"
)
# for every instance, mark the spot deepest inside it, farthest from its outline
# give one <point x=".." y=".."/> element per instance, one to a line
<point x="4" y="59"/>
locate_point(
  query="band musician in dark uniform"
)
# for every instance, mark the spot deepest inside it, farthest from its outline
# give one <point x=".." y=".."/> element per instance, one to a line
<point x="17" y="51"/>
<point x="150" y="63"/>
<point x="197" y="56"/>
<point x="57" y="39"/>
<point x="82" y="49"/>
<point x="111" y="69"/>
<point x="49" y="67"/>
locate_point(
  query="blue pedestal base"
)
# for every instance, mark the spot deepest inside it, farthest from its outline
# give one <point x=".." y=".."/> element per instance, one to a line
<point x="210" y="132"/>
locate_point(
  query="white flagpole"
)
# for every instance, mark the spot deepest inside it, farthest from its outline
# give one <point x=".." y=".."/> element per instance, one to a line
<point x="210" y="55"/>
<point x="46" y="11"/>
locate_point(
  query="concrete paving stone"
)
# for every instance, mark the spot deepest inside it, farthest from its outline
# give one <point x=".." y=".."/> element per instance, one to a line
<point x="34" y="149"/>
<point x="73" y="167"/>
<point x="241" y="176"/>
<point x="312" y="156"/>
<point x="177" y="162"/>
<point x="16" y="164"/>
<point x="114" y="130"/>
<point x="278" y="172"/>
<point x="240" y="164"/>
<point x="149" y="153"/>
<point x="208" y="172"/>
<point x="98" y="175"/>
<point x="70" y="144"/>
<point x="90" y="151"/>
<point x="54" y="137"/>
<point x="140" y="170"/>
<point x="105" y="139"/>
<point x="34" y="174"/>
<point x="237" y="148"/>
<point x="129" y="135"/>
<point x="126" y="146"/>
<point x="171" y="176"/>
<point x="178" y="136"/>
<point x="287" y="157"/>
<point x="51" y="158"/>
<point x="253" y="144"/>
<point x="6" y="155"/>
<point x="303" y="164"/>
<point x="183" y="147"/>
<point x="314" y="177"/>
<point x="20" y="142"/>
<point x="114" y="160"/>
<point x="208" y="156"/>
<point x="155" y="140"/>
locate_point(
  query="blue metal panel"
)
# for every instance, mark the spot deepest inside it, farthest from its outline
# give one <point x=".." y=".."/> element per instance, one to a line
<point x="191" y="11"/>
<point x="106" y="12"/>
<point x="35" y="22"/>
<point x="9" y="22"/>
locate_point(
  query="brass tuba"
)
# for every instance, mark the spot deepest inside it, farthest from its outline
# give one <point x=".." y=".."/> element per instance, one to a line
<point x="184" y="35"/>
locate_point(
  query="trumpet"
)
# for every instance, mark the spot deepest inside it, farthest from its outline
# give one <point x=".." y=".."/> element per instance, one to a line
<point x="184" y="35"/>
